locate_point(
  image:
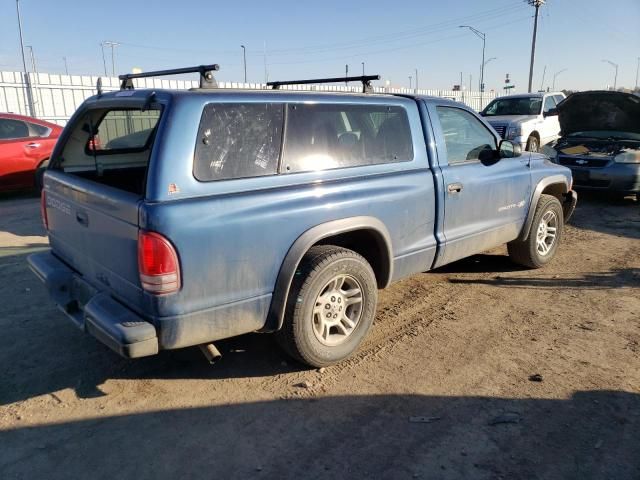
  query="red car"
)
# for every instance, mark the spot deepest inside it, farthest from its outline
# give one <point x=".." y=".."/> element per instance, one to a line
<point x="25" y="147"/>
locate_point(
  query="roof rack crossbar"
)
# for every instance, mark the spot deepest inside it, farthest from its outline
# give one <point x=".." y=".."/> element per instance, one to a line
<point x="365" y="79"/>
<point x="206" y="75"/>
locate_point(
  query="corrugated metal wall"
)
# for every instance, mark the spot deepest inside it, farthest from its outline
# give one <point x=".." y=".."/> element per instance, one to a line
<point x="55" y="97"/>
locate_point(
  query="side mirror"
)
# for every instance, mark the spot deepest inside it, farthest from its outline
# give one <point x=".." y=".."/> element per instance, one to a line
<point x="508" y="149"/>
<point x="553" y="112"/>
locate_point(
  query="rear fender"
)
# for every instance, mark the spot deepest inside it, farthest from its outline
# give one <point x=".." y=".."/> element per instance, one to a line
<point x="312" y="237"/>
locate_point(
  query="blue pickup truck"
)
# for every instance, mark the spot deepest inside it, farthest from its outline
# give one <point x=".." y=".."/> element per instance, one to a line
<point x="178" y="218"/>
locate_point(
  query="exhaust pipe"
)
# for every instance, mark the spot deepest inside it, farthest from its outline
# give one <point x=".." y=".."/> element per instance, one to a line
<point x="211" y="353"/>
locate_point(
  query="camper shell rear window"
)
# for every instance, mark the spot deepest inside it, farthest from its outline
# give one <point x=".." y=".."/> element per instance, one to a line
<point x="111" y="146"/>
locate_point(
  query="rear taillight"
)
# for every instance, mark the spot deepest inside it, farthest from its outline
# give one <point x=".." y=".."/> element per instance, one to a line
<point x="43" y="209"/>
<point x="158" y="264"/>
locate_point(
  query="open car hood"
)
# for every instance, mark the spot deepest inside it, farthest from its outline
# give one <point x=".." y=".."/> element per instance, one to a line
<point x="599" y="111"/>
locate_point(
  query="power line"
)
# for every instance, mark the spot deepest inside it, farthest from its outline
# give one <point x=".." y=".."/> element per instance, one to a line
<point x="395" y="49"/>
<point x="486" y="15"/>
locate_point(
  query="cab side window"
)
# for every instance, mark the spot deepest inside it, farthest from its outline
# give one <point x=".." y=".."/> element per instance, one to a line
<point x="466" y="138"/>
<point x="12" y="129"/>
<point x="326" y="136"/>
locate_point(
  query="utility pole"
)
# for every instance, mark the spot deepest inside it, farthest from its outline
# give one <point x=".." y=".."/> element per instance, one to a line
<point x="113" y="45"/>
<point x="416" y="79"/>
<point x="409" y="82"/>
<point x="266" y="73"/>
<point x="34" y="70"/>
<point x="244" y="61"/>
<point x="66" y="66"/>
<point x="27" y="80"/>
<point x="362" y="69"/>
<point x="553" y="85"/>
<point x="346" y="73"/>
<point x="104" y="62"/>
<point x="33" y="59"/>
<point x="544" y="73"/>
<point x="614" y="65"/>
<point x="537" y="4"/>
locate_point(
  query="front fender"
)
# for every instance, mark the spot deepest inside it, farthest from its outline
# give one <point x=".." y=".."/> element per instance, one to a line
<point x="560" y="180"/>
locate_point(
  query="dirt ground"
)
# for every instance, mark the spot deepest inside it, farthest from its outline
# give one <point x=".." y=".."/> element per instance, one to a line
<point x="441" y="388"/>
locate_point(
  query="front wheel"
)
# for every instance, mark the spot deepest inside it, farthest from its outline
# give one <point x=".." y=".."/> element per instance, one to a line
<point x="330" y="308"/>
<point x="545" y="235"/>
<point x="533" y="144"/>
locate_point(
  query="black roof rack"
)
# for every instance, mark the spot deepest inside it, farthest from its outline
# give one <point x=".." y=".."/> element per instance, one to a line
<point x="365" y="79"/>
<point x="206" y="75"/>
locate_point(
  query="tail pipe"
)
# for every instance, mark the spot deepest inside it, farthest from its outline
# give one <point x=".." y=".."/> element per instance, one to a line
<point x="211" y="353"/>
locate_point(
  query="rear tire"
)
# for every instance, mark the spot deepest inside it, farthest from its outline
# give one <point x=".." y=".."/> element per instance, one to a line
<point x="533" y="144"/>
<point x="545" y="235"/>
<point x="330" y="308"/>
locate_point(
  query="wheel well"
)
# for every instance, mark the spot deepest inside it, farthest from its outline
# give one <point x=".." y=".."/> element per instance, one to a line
<point x="557" y="190"/>
<point x="370" y="245"/>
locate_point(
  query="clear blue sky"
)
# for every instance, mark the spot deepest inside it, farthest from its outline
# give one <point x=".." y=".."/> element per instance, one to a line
<point x="304" y="41"/>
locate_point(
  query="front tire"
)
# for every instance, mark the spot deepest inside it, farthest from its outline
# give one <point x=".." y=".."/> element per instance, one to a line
<point x="330" y="308"/>
<point x="533" y="144"/>
<point x="545" y="235"/>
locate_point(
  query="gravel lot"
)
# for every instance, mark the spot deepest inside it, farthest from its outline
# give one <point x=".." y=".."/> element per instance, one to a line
<point x="442" y="388"/>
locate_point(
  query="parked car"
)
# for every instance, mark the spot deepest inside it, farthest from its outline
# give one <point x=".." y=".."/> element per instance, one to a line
<point x="600" y="141"/>
<point x="25" y="147"/>
<point x="276" y="211"/>
<point x="529" y="119"/>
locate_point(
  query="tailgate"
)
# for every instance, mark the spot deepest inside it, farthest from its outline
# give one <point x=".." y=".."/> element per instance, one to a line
<point x="94" y="229"/>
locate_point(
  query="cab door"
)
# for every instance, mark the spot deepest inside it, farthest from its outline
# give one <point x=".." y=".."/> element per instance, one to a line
<point x="485" y="197"/>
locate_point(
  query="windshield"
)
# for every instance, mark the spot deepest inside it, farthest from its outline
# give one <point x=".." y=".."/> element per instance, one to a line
<point x="514" y="106"/>
<point x="606" y="134"/>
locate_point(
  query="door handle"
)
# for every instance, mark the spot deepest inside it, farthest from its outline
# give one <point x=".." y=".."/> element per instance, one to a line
<point x="33" y="145"/>
<point x="82" y="218"/>
<point x="454" y="188"/>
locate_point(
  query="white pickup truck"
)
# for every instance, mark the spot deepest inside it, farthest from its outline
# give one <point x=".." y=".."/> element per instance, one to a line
<point x="529" y="119"/>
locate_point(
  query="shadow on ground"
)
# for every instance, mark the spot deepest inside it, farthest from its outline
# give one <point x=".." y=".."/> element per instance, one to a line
<point x="590" y="435"/>
<point x="621" y="278"/>
<point x="614" y="215"/>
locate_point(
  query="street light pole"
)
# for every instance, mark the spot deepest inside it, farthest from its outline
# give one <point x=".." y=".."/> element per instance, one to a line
<point x="66" y="66"/>
<point x="553" y="85"/>
<point x="615" y="79"/>
<point x="537" y="4"/>
<point x="416" y="79"/>
<point x="362" y="68"/>
<point x="409" y="82"/>
<point x="27" y="80"/>
<point x="483" y="37"/>
<point x="244" y="61"/>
